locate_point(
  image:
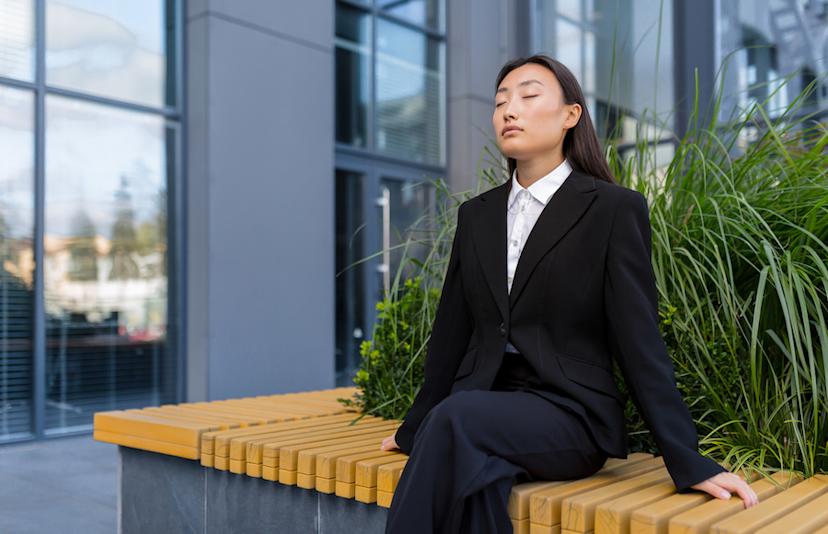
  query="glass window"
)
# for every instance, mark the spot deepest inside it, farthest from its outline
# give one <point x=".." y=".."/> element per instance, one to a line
<point x="410" y="94"/>
<point x="105" y="261"/>
<point x="16" y="261"/>
<point x="762" y="44"/>
<point x="570" y="8"/>
<point x="17" y="39"/>
<point x="353" y="75"/>
<point x="111" y="48"/>
<point x="568" y="47"/>
<point x="429" y="13"/>
<point x="631" y="79"/>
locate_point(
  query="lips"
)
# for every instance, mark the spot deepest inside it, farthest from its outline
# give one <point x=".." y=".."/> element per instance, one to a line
<point x="509" y="129"/>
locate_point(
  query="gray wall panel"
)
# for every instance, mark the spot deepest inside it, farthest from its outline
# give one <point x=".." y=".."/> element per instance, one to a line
<point x="261" y="263"/>
<point x="481" y="37"/>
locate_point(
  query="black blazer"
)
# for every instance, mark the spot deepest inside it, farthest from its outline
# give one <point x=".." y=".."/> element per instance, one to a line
<point x="583" y="292"/>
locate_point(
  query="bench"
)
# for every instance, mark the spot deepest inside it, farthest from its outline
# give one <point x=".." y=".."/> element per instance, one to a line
<point x="294" y="463"/>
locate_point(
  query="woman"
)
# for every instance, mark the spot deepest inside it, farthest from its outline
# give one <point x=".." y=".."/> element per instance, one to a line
<point x="549" y="279"/>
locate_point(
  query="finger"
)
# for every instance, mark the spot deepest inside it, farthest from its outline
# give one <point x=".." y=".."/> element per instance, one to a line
<point x="741" y="488"/>
<point x="716" y="490"/>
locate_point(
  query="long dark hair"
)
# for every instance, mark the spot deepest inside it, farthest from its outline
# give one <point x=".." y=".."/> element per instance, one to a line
<point x="580" y="146"/>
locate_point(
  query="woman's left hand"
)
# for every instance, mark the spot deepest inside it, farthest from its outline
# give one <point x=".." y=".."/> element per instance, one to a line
<point x="722" y="484"/>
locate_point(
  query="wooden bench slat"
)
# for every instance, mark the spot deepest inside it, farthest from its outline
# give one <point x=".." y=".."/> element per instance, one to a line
<point x="772" y="508"/>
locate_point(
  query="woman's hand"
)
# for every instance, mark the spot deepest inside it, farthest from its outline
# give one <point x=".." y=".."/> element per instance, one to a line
<point x="389" y="443"/>
<point x="722" y="484"/>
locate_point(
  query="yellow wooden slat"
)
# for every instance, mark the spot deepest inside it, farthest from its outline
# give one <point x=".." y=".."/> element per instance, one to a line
<point x="327" y="462"/>
<point x="252" y="447"/>
<point x="578" y="511"/>
<point x="804" y="520"/>
<point x="219" y="442"/>
<point x="613" y="517"/>
<point x="208" y="439"/>
<point x="366" y="495"/>
<point x="366" y="470"/>
<point x="384" y="498"/>
<point x="521" y="494"/>
<point x="346" y="490"/>
<point x="654" y="518"/>
<point x="289" y="454"/>
<point x="326" y="485"/>
<point x="389" y="474"/>
<point x="545" y="504"/>
<point x="271" y="449"/>
<point x="147" y="444"/>
<point x="537" y="528"/>
<point x="698" y="520"/>
<point x="306" y="458"/>
<point x="772" y="508"/>
<point x="152" y="427"/>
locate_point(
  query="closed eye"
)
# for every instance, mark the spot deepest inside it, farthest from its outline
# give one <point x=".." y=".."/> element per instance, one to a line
<point x="528" y="96"/>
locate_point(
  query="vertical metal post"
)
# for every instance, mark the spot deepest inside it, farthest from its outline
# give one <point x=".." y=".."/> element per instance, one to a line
<point x="39" y="330"/>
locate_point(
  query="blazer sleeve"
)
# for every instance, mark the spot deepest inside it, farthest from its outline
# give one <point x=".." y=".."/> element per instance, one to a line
<point x="450" y="334"/>
<point x="631" y="307"/>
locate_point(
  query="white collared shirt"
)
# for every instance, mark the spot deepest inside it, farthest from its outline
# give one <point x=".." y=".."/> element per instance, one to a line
<point x="523" y="209"/>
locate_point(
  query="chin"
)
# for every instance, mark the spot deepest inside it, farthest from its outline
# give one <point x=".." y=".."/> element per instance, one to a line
<point x="514" y="154"/>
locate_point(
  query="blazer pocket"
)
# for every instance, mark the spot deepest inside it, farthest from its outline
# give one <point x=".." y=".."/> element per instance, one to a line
<point x="590" y="376"/>
<point x="467" y="365"/>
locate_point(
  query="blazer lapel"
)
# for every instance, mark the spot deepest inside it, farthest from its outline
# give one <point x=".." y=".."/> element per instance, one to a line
<point x="562" y="211"/>
<point x="489" y="237"/>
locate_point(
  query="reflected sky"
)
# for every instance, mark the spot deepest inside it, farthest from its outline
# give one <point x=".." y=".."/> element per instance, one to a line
<point x="110" y="48"/>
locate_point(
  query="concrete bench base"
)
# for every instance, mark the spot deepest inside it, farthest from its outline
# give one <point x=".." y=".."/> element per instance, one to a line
<point x="161" y="493"/>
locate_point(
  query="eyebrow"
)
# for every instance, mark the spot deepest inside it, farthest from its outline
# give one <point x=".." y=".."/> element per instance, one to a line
<point x="526" y="82"/>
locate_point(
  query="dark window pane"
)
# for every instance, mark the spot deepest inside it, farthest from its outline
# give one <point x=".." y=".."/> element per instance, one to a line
<point x="353" y="75"/>
<point x="351" y="327"/>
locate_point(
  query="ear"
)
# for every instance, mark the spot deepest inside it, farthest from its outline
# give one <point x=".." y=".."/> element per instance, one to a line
<point x="573" y="115"/>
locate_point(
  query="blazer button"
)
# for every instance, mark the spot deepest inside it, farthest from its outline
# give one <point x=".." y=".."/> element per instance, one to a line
<point x="502" y="329"/>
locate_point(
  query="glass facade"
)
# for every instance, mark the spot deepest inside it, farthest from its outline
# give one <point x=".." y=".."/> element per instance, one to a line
<point x="90" y="143"/>
<point x="621" y="53"/>
<point x="390" y="122"/>
<point x="16" y="261"/>
<point x="390" y="79"/>
<point x="772" y="50"/>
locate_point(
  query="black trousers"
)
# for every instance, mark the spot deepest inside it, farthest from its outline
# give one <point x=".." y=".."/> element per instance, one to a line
<point x="472" y="447"/>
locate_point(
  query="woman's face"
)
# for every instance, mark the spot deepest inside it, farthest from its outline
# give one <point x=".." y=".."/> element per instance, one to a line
<point x="531" y="98"/>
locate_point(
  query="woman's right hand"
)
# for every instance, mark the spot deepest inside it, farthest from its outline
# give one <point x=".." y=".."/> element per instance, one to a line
<point x="389" y="443"/>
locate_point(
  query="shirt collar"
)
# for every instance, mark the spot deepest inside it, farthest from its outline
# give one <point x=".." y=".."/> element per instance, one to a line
<point x="542" y="189"/>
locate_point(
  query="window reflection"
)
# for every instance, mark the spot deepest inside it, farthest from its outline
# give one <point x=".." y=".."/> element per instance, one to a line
<point x="17" y="39"/>
<point x="119" y="51"/>
<point x="762" y="45"/>
<point x="105" y="261"/>
<point x="16" y="261"/>
<point x="629" y="89"/>
<point x="410" y="89"/>
<point x="423" y="12"/>
<point x="353" y="75"/>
